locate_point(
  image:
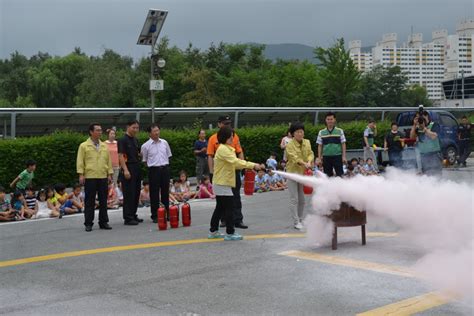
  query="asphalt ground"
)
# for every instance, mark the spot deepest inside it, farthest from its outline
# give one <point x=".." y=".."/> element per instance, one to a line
<point x="274" y="271"/>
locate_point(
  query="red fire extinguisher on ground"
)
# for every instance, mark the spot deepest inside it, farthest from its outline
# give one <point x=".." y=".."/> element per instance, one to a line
<point x="174" y="216"/>
<point x="249" y="182"/>
<point x="306" y="189"/>
<point x="186" y="214"/>
<point x="162" y="224"/>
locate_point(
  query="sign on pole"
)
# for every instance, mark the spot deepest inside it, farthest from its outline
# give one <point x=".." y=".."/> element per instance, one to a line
<point x="156" y="85"/>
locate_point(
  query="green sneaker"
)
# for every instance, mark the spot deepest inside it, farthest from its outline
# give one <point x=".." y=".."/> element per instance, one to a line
<point x="215" y="235"/>
<point x="234" y="236"/>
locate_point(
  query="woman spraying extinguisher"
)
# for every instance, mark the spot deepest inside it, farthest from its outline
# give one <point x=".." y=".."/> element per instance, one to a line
<point x="225" y="164"/>
<point x="300" y="158"/>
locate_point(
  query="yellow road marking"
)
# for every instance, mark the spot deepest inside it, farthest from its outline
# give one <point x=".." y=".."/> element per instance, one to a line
<point x="409" y="306"/>
<point x="15" y="262"/>
<point x="377" y="234"/>
<point x="365" y="265"/>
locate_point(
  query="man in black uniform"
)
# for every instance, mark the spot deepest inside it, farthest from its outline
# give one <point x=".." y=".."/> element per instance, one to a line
<point x="130" y="173"/>
<point x="394" y="144"/>
<point x="464" y="137"/>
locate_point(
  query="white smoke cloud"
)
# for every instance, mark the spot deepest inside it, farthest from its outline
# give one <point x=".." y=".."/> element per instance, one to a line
<point x="435" y="215"/>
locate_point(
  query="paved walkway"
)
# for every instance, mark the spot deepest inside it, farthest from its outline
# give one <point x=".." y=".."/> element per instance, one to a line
<point x="53" y="267"/>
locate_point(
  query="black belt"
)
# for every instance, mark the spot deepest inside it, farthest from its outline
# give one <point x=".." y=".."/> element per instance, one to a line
<point x="160" y="167"/>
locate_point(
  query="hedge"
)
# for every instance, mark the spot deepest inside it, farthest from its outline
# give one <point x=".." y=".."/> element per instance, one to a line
<point x="56" y="153"/>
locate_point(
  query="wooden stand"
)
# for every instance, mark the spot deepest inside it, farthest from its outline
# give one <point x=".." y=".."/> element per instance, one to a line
<point x="347" y="216"/>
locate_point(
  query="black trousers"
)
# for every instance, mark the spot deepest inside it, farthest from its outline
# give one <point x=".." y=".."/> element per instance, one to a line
<point x="395" y="158"/>
<point x="224" y="210"/>
<point x="131" y="192"/>
<point x="238" y="216"/>
<point x="464" y="151"/>
<point x="431" y="163"/>
<point x="333" y="162"/>
<point x="159" y="178"/>
<point x="93" y="187"/>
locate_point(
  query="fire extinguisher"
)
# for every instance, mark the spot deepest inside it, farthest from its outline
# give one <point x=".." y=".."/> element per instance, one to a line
<point x="249" y="182"/>
<point x="174" y="216"/>
<point x="162" y="224"/>
<point x="306" y="189"/>
<point x="186" y="214"/>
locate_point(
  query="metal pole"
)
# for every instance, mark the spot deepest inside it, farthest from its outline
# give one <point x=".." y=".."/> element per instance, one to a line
<point x="236" y="120"/>
<point x="462" y="87"/>
<point x="316" y="116"/>
<point x="13" y="125"/>
<point x="5" y="131"/>
<point x="152" y="91"/>
<point x="383" y="116"/>
<point x="137" y="116"/>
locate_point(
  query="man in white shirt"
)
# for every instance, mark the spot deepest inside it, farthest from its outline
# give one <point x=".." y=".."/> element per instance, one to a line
<point x="156" y="153"/>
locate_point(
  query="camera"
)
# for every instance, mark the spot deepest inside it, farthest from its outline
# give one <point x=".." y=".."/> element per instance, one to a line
<point x="421" y="119"/>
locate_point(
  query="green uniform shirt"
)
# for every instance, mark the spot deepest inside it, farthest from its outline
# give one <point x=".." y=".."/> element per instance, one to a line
<point x="426" y="144"/>
<point x="332" y="141"/>
<point x="25" y="179"/>
<point x="369" y="133"/>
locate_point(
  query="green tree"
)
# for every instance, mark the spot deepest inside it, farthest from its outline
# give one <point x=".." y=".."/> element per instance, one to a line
<point x="107" y="82"/>
<point x="54" y="82"/>
<point x="415" y="95"/>
<point x="14" y="77"/>
<point x="203" y="92"/>
<point x="340" y="77"/>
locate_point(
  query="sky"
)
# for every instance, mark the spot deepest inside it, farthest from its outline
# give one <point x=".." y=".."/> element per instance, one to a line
<point x="57" y="26"/>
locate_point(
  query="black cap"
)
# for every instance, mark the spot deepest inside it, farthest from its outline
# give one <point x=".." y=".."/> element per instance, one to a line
<point x="224" y="119"/>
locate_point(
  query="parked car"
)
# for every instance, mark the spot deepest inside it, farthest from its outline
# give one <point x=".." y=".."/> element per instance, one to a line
<point x="447" y="134"/>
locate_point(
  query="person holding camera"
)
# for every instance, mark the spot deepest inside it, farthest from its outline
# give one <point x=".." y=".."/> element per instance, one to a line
<point x="426" y="133"/>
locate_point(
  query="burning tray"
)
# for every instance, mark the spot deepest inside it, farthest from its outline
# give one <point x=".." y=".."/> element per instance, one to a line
<point x="347" y="216"/>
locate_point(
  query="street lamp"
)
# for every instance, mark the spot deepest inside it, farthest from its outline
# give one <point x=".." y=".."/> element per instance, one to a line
<point x="148" y="36"/>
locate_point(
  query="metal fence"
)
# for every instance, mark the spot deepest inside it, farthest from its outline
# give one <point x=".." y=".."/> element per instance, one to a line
<point x="40" y="121"/>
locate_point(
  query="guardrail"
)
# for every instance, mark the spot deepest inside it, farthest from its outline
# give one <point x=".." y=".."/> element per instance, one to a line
<point x="50" y="118"/>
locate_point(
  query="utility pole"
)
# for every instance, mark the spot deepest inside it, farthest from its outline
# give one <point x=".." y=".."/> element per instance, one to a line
<point x="462" y="87"/>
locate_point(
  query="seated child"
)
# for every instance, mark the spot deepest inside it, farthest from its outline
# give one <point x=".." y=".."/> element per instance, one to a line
<point x="77" y="198"/>
<point x="176" y="195"/>
<point x="53" y="201"/>
<point x="63" y="198"/>
<point x="112" y="199"/>
<point x="186" y="186"/>
<point x="118" y="191"/>
<point x="144" y="200"/>
<point x="271" y="161"/>
<point x="275" y="181"/>
<point x="282" y="180"/>
<point x="30" y="202"/>
<point x="205" y="188"/>
<point x="350" y="171"/>
<point x="356" y="168"/>
<point x="18" y="205"/>
<point x="369" y="167"/>
<point x="45" y="208"/>
<point x="6" y="212"/>
<point x="261" y="181"/>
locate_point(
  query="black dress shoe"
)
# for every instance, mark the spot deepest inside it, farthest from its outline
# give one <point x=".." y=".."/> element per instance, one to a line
<point x="105" y="226"/>
<point x="241" y="225"/>
<point x="88" y="228"/>
<point x="140" y="220"/>
<point x="131" y="223"/>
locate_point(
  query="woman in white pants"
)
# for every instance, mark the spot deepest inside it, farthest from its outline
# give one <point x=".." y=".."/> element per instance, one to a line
<point x="300" y="157"/>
